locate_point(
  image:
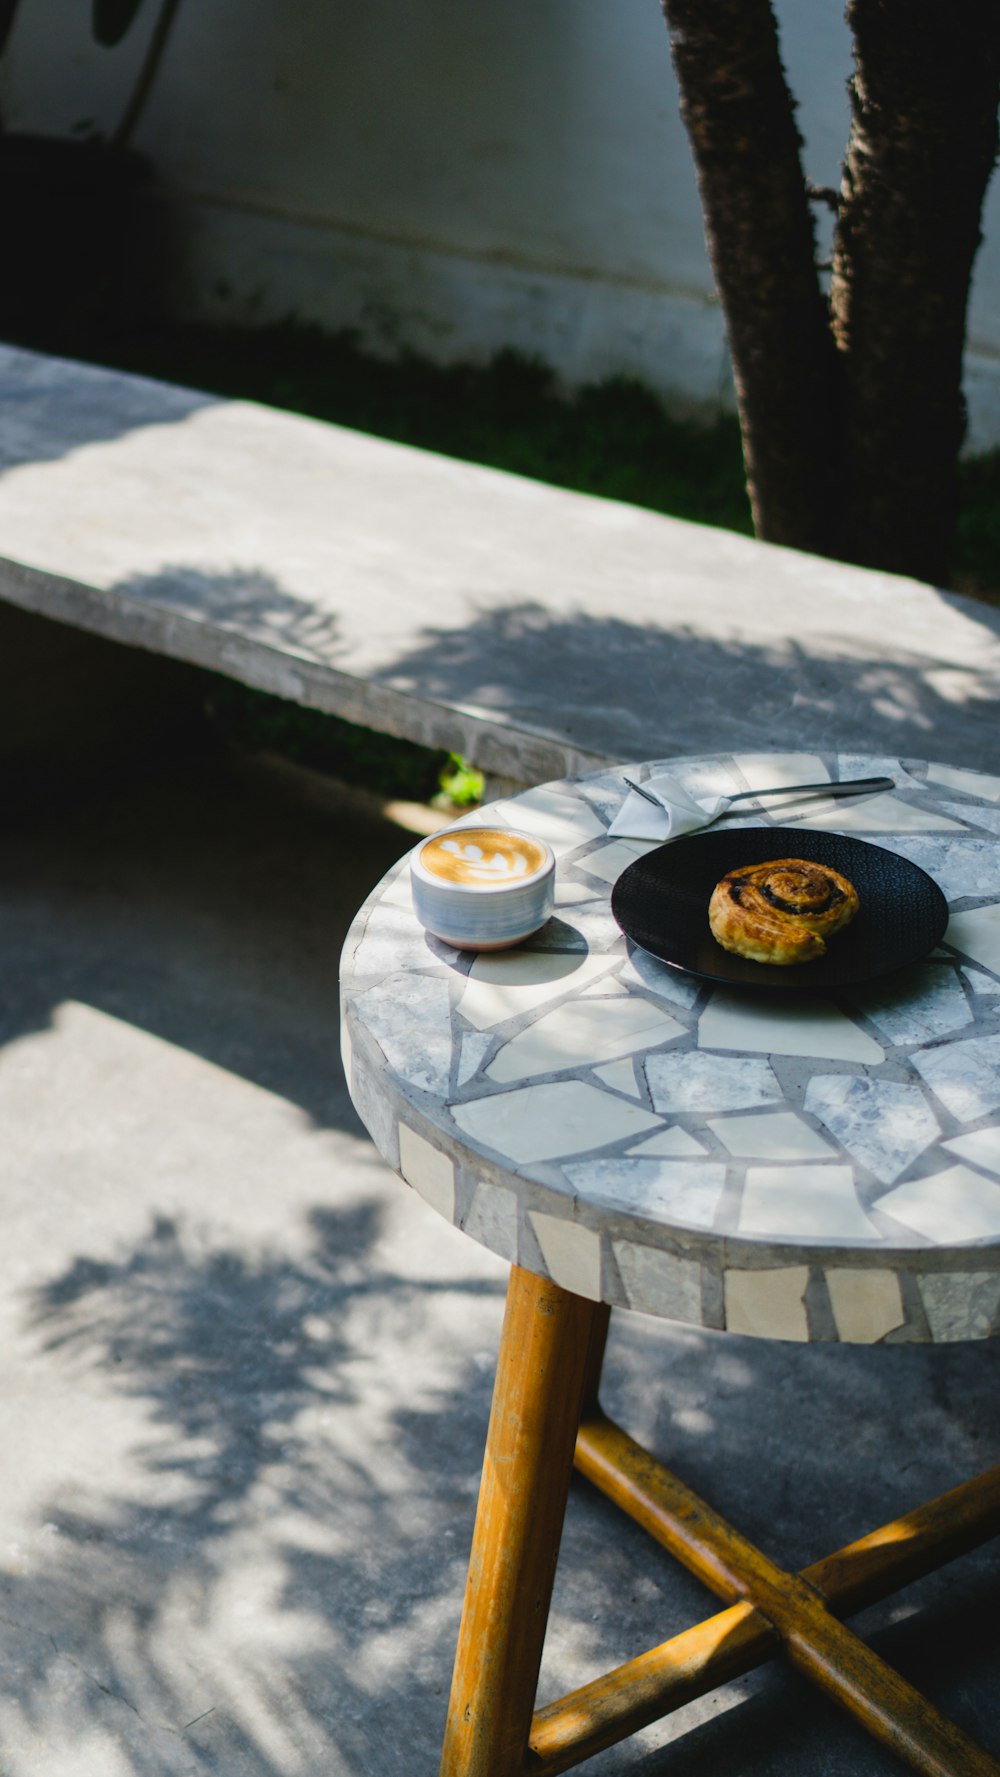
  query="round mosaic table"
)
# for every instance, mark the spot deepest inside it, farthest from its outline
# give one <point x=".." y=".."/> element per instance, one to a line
<point x="626" y="1135"/>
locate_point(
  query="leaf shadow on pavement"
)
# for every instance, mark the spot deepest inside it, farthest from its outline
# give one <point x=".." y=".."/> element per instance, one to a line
<point x="269" y="1578"/>
<point x="245" y="1512"/>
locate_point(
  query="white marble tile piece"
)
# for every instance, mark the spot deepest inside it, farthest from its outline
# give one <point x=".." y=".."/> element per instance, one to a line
<point x="981" y="1147"/>
<point x="761" y="770"/>
<point x="977" y="934"/>
<point x="346" y="1052"/>
<point x="878" y="765"/>
<point x="398" y="893"/>
<point x="866" y="1304"/>
<point x="925" y="1003"/>
<point x="965" y="1076"/>
<point x="674" y="1143"/>
<point x="473" y="817"/>
<point x="562" y="820"/>
<point x="610" y="860"/>
<point x="771" y="1135"/>
<point x="803" y="1202"/>
<point x="882" y="1124"/>
<point x="606" y="794"/>
<point x="575" y="894"/>
<point x="396" y="942"/>
<point x="707" y="1083"/>
<point x="474" y="1046"/>
<point x="981" y="983"/>
<point x="671" y="1193"/>
<point x="595" y="923"/>
<point x="799" y="1026"/>
<point x="970" y="783"/>
<point x="960" y="1304"/>
<point x="768" y="1304"/>
<point x="410" y="1018"/>
<point x="798" y="811"/>
<point x="581" y="1034"/>
<point x="620" y="1075"/>
<point x="492" y="1219"/>
<point x="985" y="818"/>
<point x="572" y="1254"/>
<point x="428" y="1170"/>
<point x="885" y="813"/>
<point x="608" y="988"/>
<point x="545" y="1122"/>
<point x="966" y="866"/>
<point x="950" y="1206"/>
<point x="659" y="1283"/>
<point x="511" y="982"/>
<point x="701" y="778"/>
<point x="644" y="970"/>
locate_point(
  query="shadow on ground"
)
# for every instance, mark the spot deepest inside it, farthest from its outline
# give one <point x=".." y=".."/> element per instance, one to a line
<point x="279" y="1586"/>
<point x="246" y="1374"/>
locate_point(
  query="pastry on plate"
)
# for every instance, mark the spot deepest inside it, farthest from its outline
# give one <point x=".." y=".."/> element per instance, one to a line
<point x="781" y="911"/>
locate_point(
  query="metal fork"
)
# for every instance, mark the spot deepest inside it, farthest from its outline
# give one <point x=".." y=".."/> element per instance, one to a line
<point x="849" y="787"/>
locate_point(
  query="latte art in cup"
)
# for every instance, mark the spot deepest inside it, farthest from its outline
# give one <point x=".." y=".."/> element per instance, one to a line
<point x="486" y="855"/>
<point x="483" y="888"/>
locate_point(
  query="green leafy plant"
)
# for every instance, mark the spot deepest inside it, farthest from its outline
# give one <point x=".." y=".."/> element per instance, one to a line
<point x="461" y="784"/>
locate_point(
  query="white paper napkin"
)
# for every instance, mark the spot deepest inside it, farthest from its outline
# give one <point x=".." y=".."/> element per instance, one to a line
<point x="638" y="819"/>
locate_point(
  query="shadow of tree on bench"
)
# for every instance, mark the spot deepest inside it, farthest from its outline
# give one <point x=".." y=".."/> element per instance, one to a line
<point x="245" y="600"/>
<point x="51" y="409"/>
<point x="605" y="687"/>
<point x="614" y="687"/>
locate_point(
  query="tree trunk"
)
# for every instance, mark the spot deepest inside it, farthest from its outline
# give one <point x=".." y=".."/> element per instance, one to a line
<point x="759" y="228"/>
<point x="922" y="146"/>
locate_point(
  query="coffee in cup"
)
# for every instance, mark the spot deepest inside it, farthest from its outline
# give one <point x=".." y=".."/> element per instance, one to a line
<point x="487" y="856"/>
<point x="483" y="888"/>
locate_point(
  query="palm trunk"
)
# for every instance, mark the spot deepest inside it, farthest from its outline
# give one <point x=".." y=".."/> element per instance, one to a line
<point x="759" y="228"/>
<point x="922" y="146"/>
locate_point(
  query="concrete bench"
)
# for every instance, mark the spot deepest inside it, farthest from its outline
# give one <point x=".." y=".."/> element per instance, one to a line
<point x="538" y="631"/>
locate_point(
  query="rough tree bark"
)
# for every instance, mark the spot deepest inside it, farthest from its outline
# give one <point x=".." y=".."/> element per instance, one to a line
<point x="851" y="408"/>
<point x="922" y="146"/>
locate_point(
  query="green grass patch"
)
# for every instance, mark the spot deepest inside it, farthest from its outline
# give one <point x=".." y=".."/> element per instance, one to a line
<point x="977" y="532"/>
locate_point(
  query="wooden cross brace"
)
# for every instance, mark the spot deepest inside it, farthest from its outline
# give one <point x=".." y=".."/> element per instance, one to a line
<point x="545" y="1416"/>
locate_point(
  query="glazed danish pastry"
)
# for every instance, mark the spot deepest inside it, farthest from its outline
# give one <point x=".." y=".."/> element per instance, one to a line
<point x="781" y="911"/>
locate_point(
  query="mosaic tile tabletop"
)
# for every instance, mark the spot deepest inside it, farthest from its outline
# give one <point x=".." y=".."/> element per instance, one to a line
<point x="810" y="1169"/>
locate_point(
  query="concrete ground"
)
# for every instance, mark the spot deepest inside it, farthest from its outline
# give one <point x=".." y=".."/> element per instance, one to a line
<point x="245" y="1373"/>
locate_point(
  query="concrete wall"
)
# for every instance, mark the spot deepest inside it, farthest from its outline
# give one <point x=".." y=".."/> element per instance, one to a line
<point x="449" y="176"/>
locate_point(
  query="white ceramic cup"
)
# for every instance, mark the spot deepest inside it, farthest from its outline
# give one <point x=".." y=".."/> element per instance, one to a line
<point x="483" y="888"/>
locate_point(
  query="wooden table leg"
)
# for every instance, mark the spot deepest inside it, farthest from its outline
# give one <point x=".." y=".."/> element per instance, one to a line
<point x="547" y="1361"/>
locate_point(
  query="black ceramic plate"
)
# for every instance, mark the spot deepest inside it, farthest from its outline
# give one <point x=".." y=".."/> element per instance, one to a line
<point x="661" y="902"/>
